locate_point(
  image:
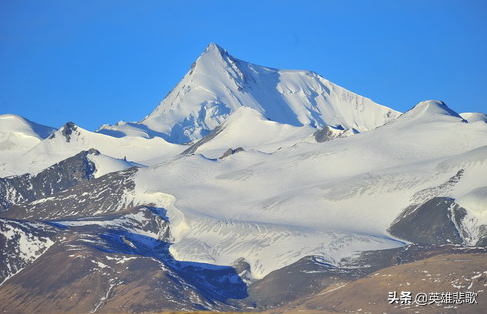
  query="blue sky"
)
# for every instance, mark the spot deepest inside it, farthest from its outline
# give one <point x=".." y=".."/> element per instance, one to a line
<point x="101" y="61"/>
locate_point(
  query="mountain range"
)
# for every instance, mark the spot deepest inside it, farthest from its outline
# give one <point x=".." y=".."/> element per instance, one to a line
<point x="247" y="189"/>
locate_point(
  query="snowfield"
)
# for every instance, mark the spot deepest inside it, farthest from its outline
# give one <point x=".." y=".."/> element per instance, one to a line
<point x="71" y="139"/>
<point x="327" y="199"/>
<point x="235" y="158"/>
<point x="218" y="84"/>
<point x="18" y="135"/>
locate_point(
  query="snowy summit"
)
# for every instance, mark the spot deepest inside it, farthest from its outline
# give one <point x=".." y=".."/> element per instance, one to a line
<point x="219" y="83"/>
<point x="248" y="187"/>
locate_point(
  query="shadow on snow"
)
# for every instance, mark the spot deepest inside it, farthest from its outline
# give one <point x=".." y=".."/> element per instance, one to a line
<point x="212" y="281"/>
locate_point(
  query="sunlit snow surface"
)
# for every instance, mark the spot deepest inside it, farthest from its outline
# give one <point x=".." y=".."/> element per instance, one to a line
<point x="218" y="84"/>
<point x="328" y="199"/>
<point x="282" y="195"/>
<point x="134" y="150"/>
<point x="475" y="202"/>
<point x="18" y="135"/>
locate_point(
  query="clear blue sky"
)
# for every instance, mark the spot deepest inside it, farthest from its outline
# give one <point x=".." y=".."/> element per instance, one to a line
<point x="101" y="61"/>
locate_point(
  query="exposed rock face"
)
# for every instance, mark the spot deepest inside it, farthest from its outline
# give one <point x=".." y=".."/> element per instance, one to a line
<point x="306" y="279"/>
<point x="328" y="133"/>
<point x="112" y="263"/>
<point x="97" y="251"/>
<point x="86" y="247"/>
<point x="194" y="147"/>
<point x="232" y="151"/>
<point x="279" y="227"/>
<point x="22" y="242"/>
<point x="59" y="177"/>
<point x="433" y="222"/>
<point x="109" y="193"/>
<point x="443" y="274"/>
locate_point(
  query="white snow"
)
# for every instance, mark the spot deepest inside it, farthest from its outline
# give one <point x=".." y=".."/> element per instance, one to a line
<point x="18" y="135"/>
<point x="25" y="246"/>
<point x="52" y="150"/>
<point x="218" y="84"/>
<point x="106" y="164"/>
<point x="119" y="259"/>
<point x="131" y="222"/>
<point x="285" y="196"/>
<point x="249" y="129"/>
<point x="29" y="245"/>
<point x="431" y="110"/>
<point x="475" y="201"/>
<point x="474" y="117"/>
<point x="328" y="199"/>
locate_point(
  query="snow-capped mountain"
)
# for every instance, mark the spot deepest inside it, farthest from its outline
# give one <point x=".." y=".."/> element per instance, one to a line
<point x="248" y="129"/>
<point x="218" y="84"/>
<point x="314" y="199"/>
<point x="474" y="116"/>
<point x="290" y="185"/>
<point x="70" y="139"/>
<point x="18" y="135"/>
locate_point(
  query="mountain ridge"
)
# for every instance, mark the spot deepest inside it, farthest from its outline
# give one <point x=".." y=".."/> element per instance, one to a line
<point x="18" y="135"/>
<point x="218" y="83"/>
<point x="291" y="185"/>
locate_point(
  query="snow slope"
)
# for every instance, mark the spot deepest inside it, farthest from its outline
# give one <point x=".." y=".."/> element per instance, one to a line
<point x="475" y="222"/>
<point x="475" y="200"/>
<point x="105" y="164"/>
<point x="218" y="84"/>
<point x="71" y="139"/>
<point x="18" y="135"/>
<point x="285" y="194"/>
<point x="249" y="129"/>
<point x="22" y="243"/>
<point x="327" y="199"/>
<point x="474" y="116"/>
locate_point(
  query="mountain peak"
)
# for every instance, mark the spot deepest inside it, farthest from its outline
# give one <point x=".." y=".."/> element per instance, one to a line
<point x="214" y="47"/>
<point x="68" y="128"/>
<point x="12" y="121"/>
<point x="66" y="131"/>
<point x="15" y="123"/>
<point x="213" y="52"/>
<point x="432" y="105"/>
<point x="218" y="84"/>
<point x="213" y="59"/>
<point x="474" y="116"/>
<point x="432" y="110"/>
<point x="10" y="117"/>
